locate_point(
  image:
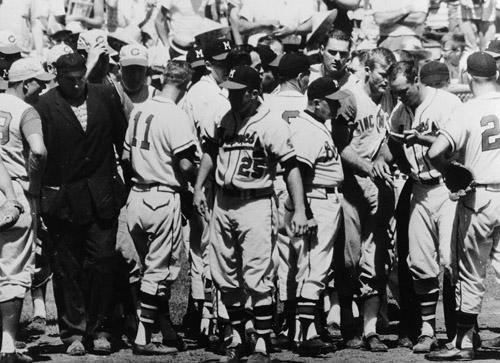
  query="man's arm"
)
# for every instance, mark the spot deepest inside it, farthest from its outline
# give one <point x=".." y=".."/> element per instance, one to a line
<point x="36" y="163"/>
<point x="92" y="22"/>
<point x="187" y="164"/>
<point x="246" y="27"/>
<point x="406" y="13"/>
<point x="161" y="25"/>
<point x="208" y="161"/>
<point x="438" y="152"/>
<point x="296" y="191"/>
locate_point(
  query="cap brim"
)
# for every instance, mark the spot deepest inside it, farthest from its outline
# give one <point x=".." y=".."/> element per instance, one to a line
<point x="198" y="63"/>
<point x="495" y="55"/>
<point x="45" y="77"/>
<point x="220" y="57"/>
<point x="11" y="49"/>
<point x="339" y="95"/>
<point x="276" y="61"/>
<point x="232" y="85"/>
<point x="134" y="62"/>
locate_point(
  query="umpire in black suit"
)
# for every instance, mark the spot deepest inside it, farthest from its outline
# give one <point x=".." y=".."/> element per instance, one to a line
<point x="82" y="193"/>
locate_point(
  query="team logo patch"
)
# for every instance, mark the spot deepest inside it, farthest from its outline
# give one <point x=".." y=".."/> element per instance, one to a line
<point x="135" y="51"/>
<point x="12" y="39"/>
<point x="231" y="74"/>
<point x="227" y="45"/>
<point x="198" y="53"/>
<point x="99" y="39"/>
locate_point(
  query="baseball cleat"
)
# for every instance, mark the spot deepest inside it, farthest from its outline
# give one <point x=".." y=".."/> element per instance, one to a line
<point x="259" y="357"/>
<point x="451" y="353"/>
<point x="374" y="344"/>
<point x="405" y="342"/>
<point x="37" y="326"/>
<point x="76" y="348"/>
<point x="15" y="358"/>
<point x="425" y="344"/>
<point x="153" y="349"/>
<point x="355" y="342"/>
<point x="314" y="347"/>
<point x="233" y="354"/>
<point x="102" y="346"/>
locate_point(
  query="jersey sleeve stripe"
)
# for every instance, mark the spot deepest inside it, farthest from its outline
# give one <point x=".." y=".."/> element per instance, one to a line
<point x="449" y="138"/>
<point x="287" y="156"/>
<point x="305" y="161"/>
<point x="183" y="147"/>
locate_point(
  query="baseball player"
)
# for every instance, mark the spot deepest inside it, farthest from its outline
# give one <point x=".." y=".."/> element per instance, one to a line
<point x="23" y="154"/>
<point x="473" y="132"/>
<point x="322" y="174"/>
<point x="287" y="100"/>
<point x="205" y="103"/>
<point x="414" y="124"/>
<point x="368" y="207"/>
<point x="245" y="149"/>
<point x="161" y="148"/>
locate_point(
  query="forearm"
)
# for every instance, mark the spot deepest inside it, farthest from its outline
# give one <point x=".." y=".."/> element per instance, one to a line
<point x="387" y="18"/>
<point x="246" y="27"/>
<point x="205" y="170"/>
<point x="385" y="154"/>
<point x="304" y="28"/>
<point x="413" y="19"/>
<point x="359" y="165"/>
<point x="161" y="28"/>
<point x="36" y="168"/>
<point x="295" y="188"/>
<point x="6" y="183"/>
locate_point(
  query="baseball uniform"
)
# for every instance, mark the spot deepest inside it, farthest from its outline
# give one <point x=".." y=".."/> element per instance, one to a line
<point x="158" y="131"/>
<point x="431" y="211"/>
<point x="474" y="132"/>
<point x="18" y="121"/>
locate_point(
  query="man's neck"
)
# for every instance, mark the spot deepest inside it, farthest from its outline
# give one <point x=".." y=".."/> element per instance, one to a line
<point x="375" y="96"/>
<point x="15" y="92"/>
<point x="291" y="85"/>
<point x="482" y="89"/>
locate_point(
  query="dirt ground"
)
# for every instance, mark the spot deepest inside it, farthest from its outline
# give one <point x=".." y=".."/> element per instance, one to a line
<point x="50" y="348"/>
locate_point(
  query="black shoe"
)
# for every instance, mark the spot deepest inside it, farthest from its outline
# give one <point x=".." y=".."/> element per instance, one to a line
<point x="451" y="353"/>
<point x="252" y="338"/>
<point x="281" y="342"/>
<point x="153" y="349"/>
<point x="334" y="334"/>
<point x="37" y="326"/>
<point x="15" y="358"/>
<point x="405" y="342"/>
<point x="259" y="357"/>
<point x="177" y="343"/>
<point x="233" y="354"/>
<point x="374" y="344"/>
<point x="102" y="346"/>
<point x="314" y="347"/>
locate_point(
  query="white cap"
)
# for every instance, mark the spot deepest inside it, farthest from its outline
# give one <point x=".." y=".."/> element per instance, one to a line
<point x="56" y="51"/>
<point x="134" y="54"/>
<point x="27" y="68"/>
<point x="90" y="38"/>
<point x="8" y="42"/>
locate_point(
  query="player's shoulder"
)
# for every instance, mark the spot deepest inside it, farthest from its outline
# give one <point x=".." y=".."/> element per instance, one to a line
<point x="446" y="96"/>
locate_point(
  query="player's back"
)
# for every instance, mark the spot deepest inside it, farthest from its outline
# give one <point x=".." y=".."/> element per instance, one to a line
<point x="14" y="155"/>
<point x="475" y="126"/>
<point x="157" y="130"/>
<point x="288" y="104"/>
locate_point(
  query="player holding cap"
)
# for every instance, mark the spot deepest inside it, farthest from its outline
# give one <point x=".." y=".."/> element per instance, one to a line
<point x="245" y="150"/>
<point x="322" y="174"/>
<point x="473" y="133"/>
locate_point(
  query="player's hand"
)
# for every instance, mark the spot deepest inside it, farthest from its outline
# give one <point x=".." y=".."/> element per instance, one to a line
<point x="270" y="24"/>
<point x="94" y="54"/>
<point x="283" y="31"/>
<point x="200" y="202"/>
<point x="299" y="223"/>
<point x="381" y="170"/>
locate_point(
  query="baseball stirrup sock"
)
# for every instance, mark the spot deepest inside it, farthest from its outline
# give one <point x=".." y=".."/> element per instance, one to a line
<point x="306" y="312"/>
<point x="149" y="314"/>
<point x="465" y="329"/>
<point x="237" y="317"/>
<point x="263" y="315"/>
<point x="428" y="303"/>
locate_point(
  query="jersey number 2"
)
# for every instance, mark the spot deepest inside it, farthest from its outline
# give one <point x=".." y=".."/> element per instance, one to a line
<point x="492" y="131"/>
<point x="145" y="142"/>
<point x="5" y="118"/>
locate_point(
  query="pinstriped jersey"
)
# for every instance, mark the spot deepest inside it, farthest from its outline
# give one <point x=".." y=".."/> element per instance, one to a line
<point x="431" y="115"/>
<point x="158" y="130"/>
<point x="14" y="113"/>
<point x="370" y="120"/>
<point x="250" y="149"/>
<point x="474" y="130"/>
<point x="314" y="146"/>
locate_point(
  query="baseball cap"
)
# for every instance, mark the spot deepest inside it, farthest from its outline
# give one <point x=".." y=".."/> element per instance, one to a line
<point x="291" y="64"/>
<point x="8" y="42"/>
<point x="480" y="64"/>
<point x="433" y="71"/>
<point x="195" y="57"/>
<point x="266" y="55"/>
<point x="90" y="38"/>
<point x="241" y="77"/>
<point x="217" y="49"/>
<point x="325" y="88"/>
<point x="27" y="68"/>
<point x="493" y="48"/>
<point x="56" y="51"/>
<point x="134" y="54"/>
<point x="70" y="62"/>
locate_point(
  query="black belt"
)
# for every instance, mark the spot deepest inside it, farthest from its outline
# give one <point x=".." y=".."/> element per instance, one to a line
<point x="247" y="193"/>
<point x="431" y="182"/>
<point x="155" y="187"/>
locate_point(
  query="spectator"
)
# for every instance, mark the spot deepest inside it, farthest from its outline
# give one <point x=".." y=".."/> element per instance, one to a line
<point x="453" y="56"/>
<point x="82" y="192"/>
<point x="84" y="15"/>
<point x="399" y="21"/>
<point x="478" y="23"/>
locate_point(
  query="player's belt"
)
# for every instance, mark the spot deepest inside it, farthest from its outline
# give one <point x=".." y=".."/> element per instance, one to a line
<point x="431" y="182"/>
<point x="246" y="193"/>
<point x="154" y="187"/>
<point x="489" y="187"/>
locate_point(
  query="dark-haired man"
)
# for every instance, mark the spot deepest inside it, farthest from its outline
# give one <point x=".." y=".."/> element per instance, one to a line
<point x="82" y="195"/>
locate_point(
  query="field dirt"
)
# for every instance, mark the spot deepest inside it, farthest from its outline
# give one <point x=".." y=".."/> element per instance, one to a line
<point x="50" y="348"/>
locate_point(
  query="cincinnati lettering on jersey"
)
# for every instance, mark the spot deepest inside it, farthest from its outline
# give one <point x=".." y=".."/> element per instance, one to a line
<point x="368" y="122"/>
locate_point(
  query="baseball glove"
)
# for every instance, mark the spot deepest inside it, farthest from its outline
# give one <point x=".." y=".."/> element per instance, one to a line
<point x="10" y="212"/>
<point x="459" y="179"/>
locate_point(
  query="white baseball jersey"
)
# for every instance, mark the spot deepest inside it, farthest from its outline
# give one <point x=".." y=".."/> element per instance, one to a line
<point x="430" y="116"/>
<point x="370" y="120"/>
<point x="250" y="149"/>
<point x="17" y="121"/>
<point x="475" y="128"/>
<point x="314" y="146"/>
<point x="158" y="130"/>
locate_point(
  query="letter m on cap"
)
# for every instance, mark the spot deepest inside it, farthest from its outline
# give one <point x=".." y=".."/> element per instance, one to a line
<point x="227" y="46"/>
<point x="231" y="74"/>
<point x="199" y="53"/>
